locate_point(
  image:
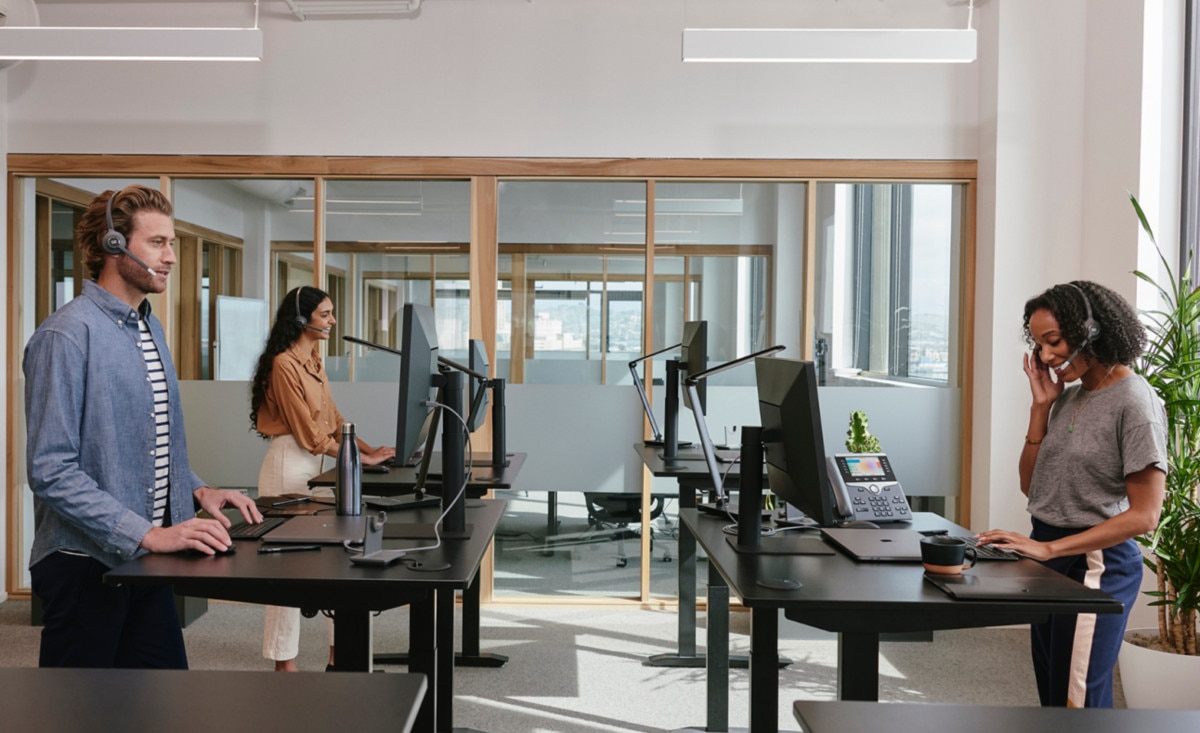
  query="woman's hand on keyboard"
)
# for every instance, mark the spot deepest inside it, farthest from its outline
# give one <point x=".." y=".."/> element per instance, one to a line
<point x="1006" y="540"/>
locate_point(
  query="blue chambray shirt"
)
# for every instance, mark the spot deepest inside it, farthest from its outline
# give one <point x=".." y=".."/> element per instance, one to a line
<point x="89" y="416"/>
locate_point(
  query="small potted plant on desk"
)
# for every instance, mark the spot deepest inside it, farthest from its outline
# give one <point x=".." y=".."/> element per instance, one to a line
<point x="859" y="438"/>
<point x="1171" y="365"/>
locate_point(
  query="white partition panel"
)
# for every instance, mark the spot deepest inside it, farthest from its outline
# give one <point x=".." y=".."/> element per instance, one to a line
<point x="917" y="427"/>
<point x="577" y="437"/>
<point x="222" y="448"/>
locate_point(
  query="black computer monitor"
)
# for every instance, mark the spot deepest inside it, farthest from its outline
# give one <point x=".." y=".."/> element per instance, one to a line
<point x="693" y="358"/>
<point x="792" y="438"/>
<point x="477" y="394"/>
<point x="418" y="370"/>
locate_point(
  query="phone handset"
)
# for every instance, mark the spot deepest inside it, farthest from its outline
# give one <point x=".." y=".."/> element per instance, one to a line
<point x="841" y="494"/>
<point x="866" y="489"/>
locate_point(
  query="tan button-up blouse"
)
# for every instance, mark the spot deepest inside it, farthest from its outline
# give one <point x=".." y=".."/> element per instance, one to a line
<point x="299" y="403"/>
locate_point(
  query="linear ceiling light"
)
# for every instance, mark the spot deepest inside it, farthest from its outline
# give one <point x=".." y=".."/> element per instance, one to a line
<point x="817" y="45"/>
<point x="303" y="9"/>
<point x="832" y="45"/>
<point x="131" y="44"/>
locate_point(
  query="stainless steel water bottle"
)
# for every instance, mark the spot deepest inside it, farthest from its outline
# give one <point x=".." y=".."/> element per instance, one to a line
<point x="348" y="477"/>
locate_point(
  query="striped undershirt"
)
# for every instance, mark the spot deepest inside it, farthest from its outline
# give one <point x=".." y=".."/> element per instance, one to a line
<point x="162" y="443"/>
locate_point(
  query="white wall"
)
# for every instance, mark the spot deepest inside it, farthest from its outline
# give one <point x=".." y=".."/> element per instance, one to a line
<point x="494" y="78"/>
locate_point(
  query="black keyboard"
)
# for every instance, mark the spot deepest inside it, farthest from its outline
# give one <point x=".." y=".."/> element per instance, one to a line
<point x="247" y="531"/>
<point x="988" y="552"/>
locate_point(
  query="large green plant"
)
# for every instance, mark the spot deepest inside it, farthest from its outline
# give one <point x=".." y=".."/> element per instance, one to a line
<point x="1171" y="364"/>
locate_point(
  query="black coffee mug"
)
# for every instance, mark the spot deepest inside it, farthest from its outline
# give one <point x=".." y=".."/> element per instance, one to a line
<point x="946" y="555"/>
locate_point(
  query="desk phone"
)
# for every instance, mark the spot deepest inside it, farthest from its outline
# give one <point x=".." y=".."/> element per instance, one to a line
<point x="866" y="489"/>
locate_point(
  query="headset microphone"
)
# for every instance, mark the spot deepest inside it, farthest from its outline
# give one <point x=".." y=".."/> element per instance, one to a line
<point x="1066" y="364"/>
<point x="113" y="242"/>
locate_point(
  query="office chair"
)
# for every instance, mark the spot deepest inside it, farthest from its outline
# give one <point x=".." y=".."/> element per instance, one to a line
<point x="613" y="513"/>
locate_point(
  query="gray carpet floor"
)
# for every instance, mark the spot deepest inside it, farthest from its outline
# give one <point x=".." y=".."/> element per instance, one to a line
<point x="583" y="670"/>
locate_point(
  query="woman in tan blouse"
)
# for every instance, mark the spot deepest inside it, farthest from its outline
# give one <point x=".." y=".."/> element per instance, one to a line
<point x="290" y="403"/>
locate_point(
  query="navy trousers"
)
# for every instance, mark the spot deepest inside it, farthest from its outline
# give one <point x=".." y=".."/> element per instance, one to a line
<point x="1074" y="655"/>
<point x="90" y="624"/>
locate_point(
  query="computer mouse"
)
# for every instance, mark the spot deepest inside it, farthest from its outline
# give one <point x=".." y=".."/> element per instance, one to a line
<point x="199" y="553"/>
<point x="860" y="524"/>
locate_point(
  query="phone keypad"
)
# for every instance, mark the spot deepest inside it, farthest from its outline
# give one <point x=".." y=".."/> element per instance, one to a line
<point x="879" y="501"/>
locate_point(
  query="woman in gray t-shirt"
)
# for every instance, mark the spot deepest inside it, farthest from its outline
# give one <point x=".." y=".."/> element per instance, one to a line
<point x="1094" y="468"/>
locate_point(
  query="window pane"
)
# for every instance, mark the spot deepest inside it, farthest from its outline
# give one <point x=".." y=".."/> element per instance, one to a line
<point x="570" y="252"/>
<point x="885" y="282"/>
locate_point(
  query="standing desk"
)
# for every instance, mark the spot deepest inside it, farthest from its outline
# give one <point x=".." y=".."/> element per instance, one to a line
<point x="837" y="717"/>
<point x="691" y="473"/>
<point x="81" y="700"/>
<point x="327" y="579"/>
<point x="858" y="601"/>
<point x="402" y="480"/>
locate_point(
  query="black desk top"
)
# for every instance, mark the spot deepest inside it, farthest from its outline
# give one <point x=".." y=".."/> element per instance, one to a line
<point x="324" y="578"/>
<point x="81" y="700"/>
<point x="840" y="594"/>
<point x="689" y="465"/>
<point x="836" y="717"/>
<point x="404" y="478"/>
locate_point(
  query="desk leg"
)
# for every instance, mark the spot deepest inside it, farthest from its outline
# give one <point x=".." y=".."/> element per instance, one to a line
<point x="445" y="659"/>
<point x="764" y="670"/>
<point x="686" y="656"/>
<point x="352" y="638"/>
<point x="858" y="666"/>
<point x="423" y="643"/>
<point x="471" y="656"/>
<point x="718" y="652"/>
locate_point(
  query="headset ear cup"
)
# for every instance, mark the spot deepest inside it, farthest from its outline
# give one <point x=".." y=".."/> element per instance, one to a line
<point x="301" y="319"/>
<point x="113" y="242"/>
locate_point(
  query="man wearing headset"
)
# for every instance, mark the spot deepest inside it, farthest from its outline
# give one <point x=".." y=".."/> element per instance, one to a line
<point x="106" y="455"/>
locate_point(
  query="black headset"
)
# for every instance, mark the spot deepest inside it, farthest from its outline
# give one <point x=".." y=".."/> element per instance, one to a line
<point x="1091" y="329"/>
<point x="301" y="319"/>
<point x="113" y="242"/>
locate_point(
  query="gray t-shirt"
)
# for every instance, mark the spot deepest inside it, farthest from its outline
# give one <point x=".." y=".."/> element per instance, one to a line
<point x="1093" y="441"/>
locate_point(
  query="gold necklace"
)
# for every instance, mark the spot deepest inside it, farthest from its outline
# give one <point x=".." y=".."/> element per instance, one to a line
<point x="1087" y="397"/>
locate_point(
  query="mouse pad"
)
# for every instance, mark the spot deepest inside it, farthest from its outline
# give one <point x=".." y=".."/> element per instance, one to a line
<point x="969" y="587"/>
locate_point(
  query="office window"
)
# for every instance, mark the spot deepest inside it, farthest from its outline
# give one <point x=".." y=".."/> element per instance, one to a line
<point x="572" y="272"/>
<point x="886" y="258"/>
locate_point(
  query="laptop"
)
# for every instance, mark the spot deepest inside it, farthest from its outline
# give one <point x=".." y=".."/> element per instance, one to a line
<point x="321" y="529"/>
<point x="877" y="545"/>
<point x="970" y="587"/>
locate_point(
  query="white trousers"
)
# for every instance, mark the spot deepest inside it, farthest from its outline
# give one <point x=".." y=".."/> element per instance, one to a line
<point x="286" y="469"/>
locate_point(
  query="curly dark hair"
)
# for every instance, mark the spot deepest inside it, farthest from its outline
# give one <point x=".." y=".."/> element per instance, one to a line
<point x="301" y="301"/>
<point x="1122" y="336"/>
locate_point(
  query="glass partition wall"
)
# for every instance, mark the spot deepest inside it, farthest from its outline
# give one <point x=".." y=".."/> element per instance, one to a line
<point x="589" y="271"/>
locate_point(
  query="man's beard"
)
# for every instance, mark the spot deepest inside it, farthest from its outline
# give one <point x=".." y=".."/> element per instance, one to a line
<point x="139" y="277"/>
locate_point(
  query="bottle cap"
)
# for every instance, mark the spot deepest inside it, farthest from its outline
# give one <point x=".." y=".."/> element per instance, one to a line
<point x="347" y="428"/>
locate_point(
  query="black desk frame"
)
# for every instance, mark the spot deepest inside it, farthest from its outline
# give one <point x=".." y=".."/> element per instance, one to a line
<point x="402" y="480"/>
<point x="857" y="601"/>
<point x="328" y="580"/>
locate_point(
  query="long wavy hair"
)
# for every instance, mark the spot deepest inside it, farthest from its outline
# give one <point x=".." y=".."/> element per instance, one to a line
<point x="299" y="302"/>
<point x="1122" y="336"/>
